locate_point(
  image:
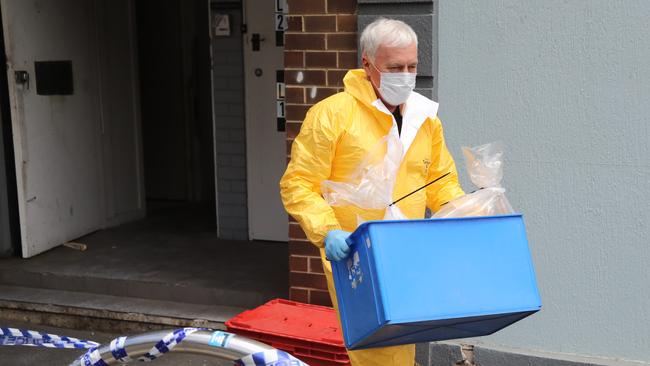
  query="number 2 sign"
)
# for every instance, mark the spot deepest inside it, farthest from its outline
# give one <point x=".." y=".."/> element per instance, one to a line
<point x="280" y="14"/>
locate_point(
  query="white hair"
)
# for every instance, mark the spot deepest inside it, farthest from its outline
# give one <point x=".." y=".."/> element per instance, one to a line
<point x="387" y="32"/>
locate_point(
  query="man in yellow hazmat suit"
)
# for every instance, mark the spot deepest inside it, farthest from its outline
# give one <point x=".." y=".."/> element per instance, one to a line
<point x="337" y="134"/>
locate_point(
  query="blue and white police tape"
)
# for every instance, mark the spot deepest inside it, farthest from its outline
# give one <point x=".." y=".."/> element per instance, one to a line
<point x="23" y="337"/>
<point x="168" y="343"/>
<point x="94" y="358"/>
<point x="118" y="350"/>
<point x="273" y="357"/>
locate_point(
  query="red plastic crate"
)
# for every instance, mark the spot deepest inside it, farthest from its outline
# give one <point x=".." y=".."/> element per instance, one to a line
<point x="310" y="332"/>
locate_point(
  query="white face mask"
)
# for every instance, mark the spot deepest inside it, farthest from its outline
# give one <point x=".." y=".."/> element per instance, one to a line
<point x="396" y="87"/>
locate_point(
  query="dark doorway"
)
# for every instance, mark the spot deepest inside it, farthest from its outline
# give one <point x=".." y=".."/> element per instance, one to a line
<point x="174" y="65"/>
<point x="9" y="219"/>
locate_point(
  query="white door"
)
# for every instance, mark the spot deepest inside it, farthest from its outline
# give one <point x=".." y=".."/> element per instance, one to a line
<point x="56" y="137"/>
<point x="265" y="145"/>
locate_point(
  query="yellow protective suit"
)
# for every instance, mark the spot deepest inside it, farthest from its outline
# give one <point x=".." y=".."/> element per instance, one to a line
<point x="335" y="136"/>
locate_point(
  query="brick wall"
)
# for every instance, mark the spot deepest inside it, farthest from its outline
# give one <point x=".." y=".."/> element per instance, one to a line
<point x="320" y="46"/>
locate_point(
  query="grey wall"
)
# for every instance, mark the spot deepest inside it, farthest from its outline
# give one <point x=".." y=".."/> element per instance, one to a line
<point x="230" y="133"/>
<point x="565" y="85"/>
<point x="422" y="16"/>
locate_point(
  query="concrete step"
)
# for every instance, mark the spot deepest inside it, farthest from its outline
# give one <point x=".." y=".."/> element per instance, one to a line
<point x="172" y="255"/>
<point x="169" y="269"/>
<point x="143" y="287"/>
<point x="81" y="310"/>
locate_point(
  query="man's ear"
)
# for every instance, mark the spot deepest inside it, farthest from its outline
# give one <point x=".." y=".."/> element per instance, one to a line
<point x="366" y="65"/>
<point x="364" y="61"/>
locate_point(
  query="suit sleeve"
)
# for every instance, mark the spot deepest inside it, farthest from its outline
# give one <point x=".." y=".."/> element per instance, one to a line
<point x="442" y="162"/>
<point x="312" y="153"/>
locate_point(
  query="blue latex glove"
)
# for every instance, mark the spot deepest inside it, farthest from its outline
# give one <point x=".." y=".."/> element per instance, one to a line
<point x="336" y="247"/>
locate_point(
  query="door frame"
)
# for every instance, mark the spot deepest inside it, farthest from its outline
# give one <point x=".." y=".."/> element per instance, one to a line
<point x="16" y="134"/>
<point x="9" y="218"/>
<point x="270" y="40"/>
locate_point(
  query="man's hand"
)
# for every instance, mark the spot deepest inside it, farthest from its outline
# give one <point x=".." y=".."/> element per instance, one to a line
<point x="336" y="247"/>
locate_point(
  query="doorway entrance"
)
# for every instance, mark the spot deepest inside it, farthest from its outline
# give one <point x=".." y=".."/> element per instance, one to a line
<point x="138" y="136"/>
<point x="120" y="105"/>
<point x="73" y="117"/>
<point x="211" y="126"/>
<point x="9" y="226"/>
<point x="176" y="107"/>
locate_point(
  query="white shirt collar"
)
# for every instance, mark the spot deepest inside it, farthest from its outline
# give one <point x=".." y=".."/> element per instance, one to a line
<point x="416" y="110"/>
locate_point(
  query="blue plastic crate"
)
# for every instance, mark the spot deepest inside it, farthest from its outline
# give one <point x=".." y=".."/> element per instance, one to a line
<point x="429" y="280"/>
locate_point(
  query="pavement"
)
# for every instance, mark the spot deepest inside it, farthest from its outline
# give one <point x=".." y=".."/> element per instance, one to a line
<point x="23" y="356"/>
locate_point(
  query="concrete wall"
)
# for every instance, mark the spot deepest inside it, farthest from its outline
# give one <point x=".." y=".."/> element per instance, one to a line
<point x="422" y="16"/>
<point x="230" y="133"/>
<point x="565" y="85"/>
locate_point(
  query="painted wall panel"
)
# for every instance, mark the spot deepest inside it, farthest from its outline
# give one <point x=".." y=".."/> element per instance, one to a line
<point x="565" y="86"/>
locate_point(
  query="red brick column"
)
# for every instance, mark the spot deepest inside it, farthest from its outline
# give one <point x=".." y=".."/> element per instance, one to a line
<point x="320" y="46"/>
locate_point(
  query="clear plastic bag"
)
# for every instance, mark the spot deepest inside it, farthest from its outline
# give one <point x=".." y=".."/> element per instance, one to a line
<point x="371" y="185"/>
<point x="485" y="168"/>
